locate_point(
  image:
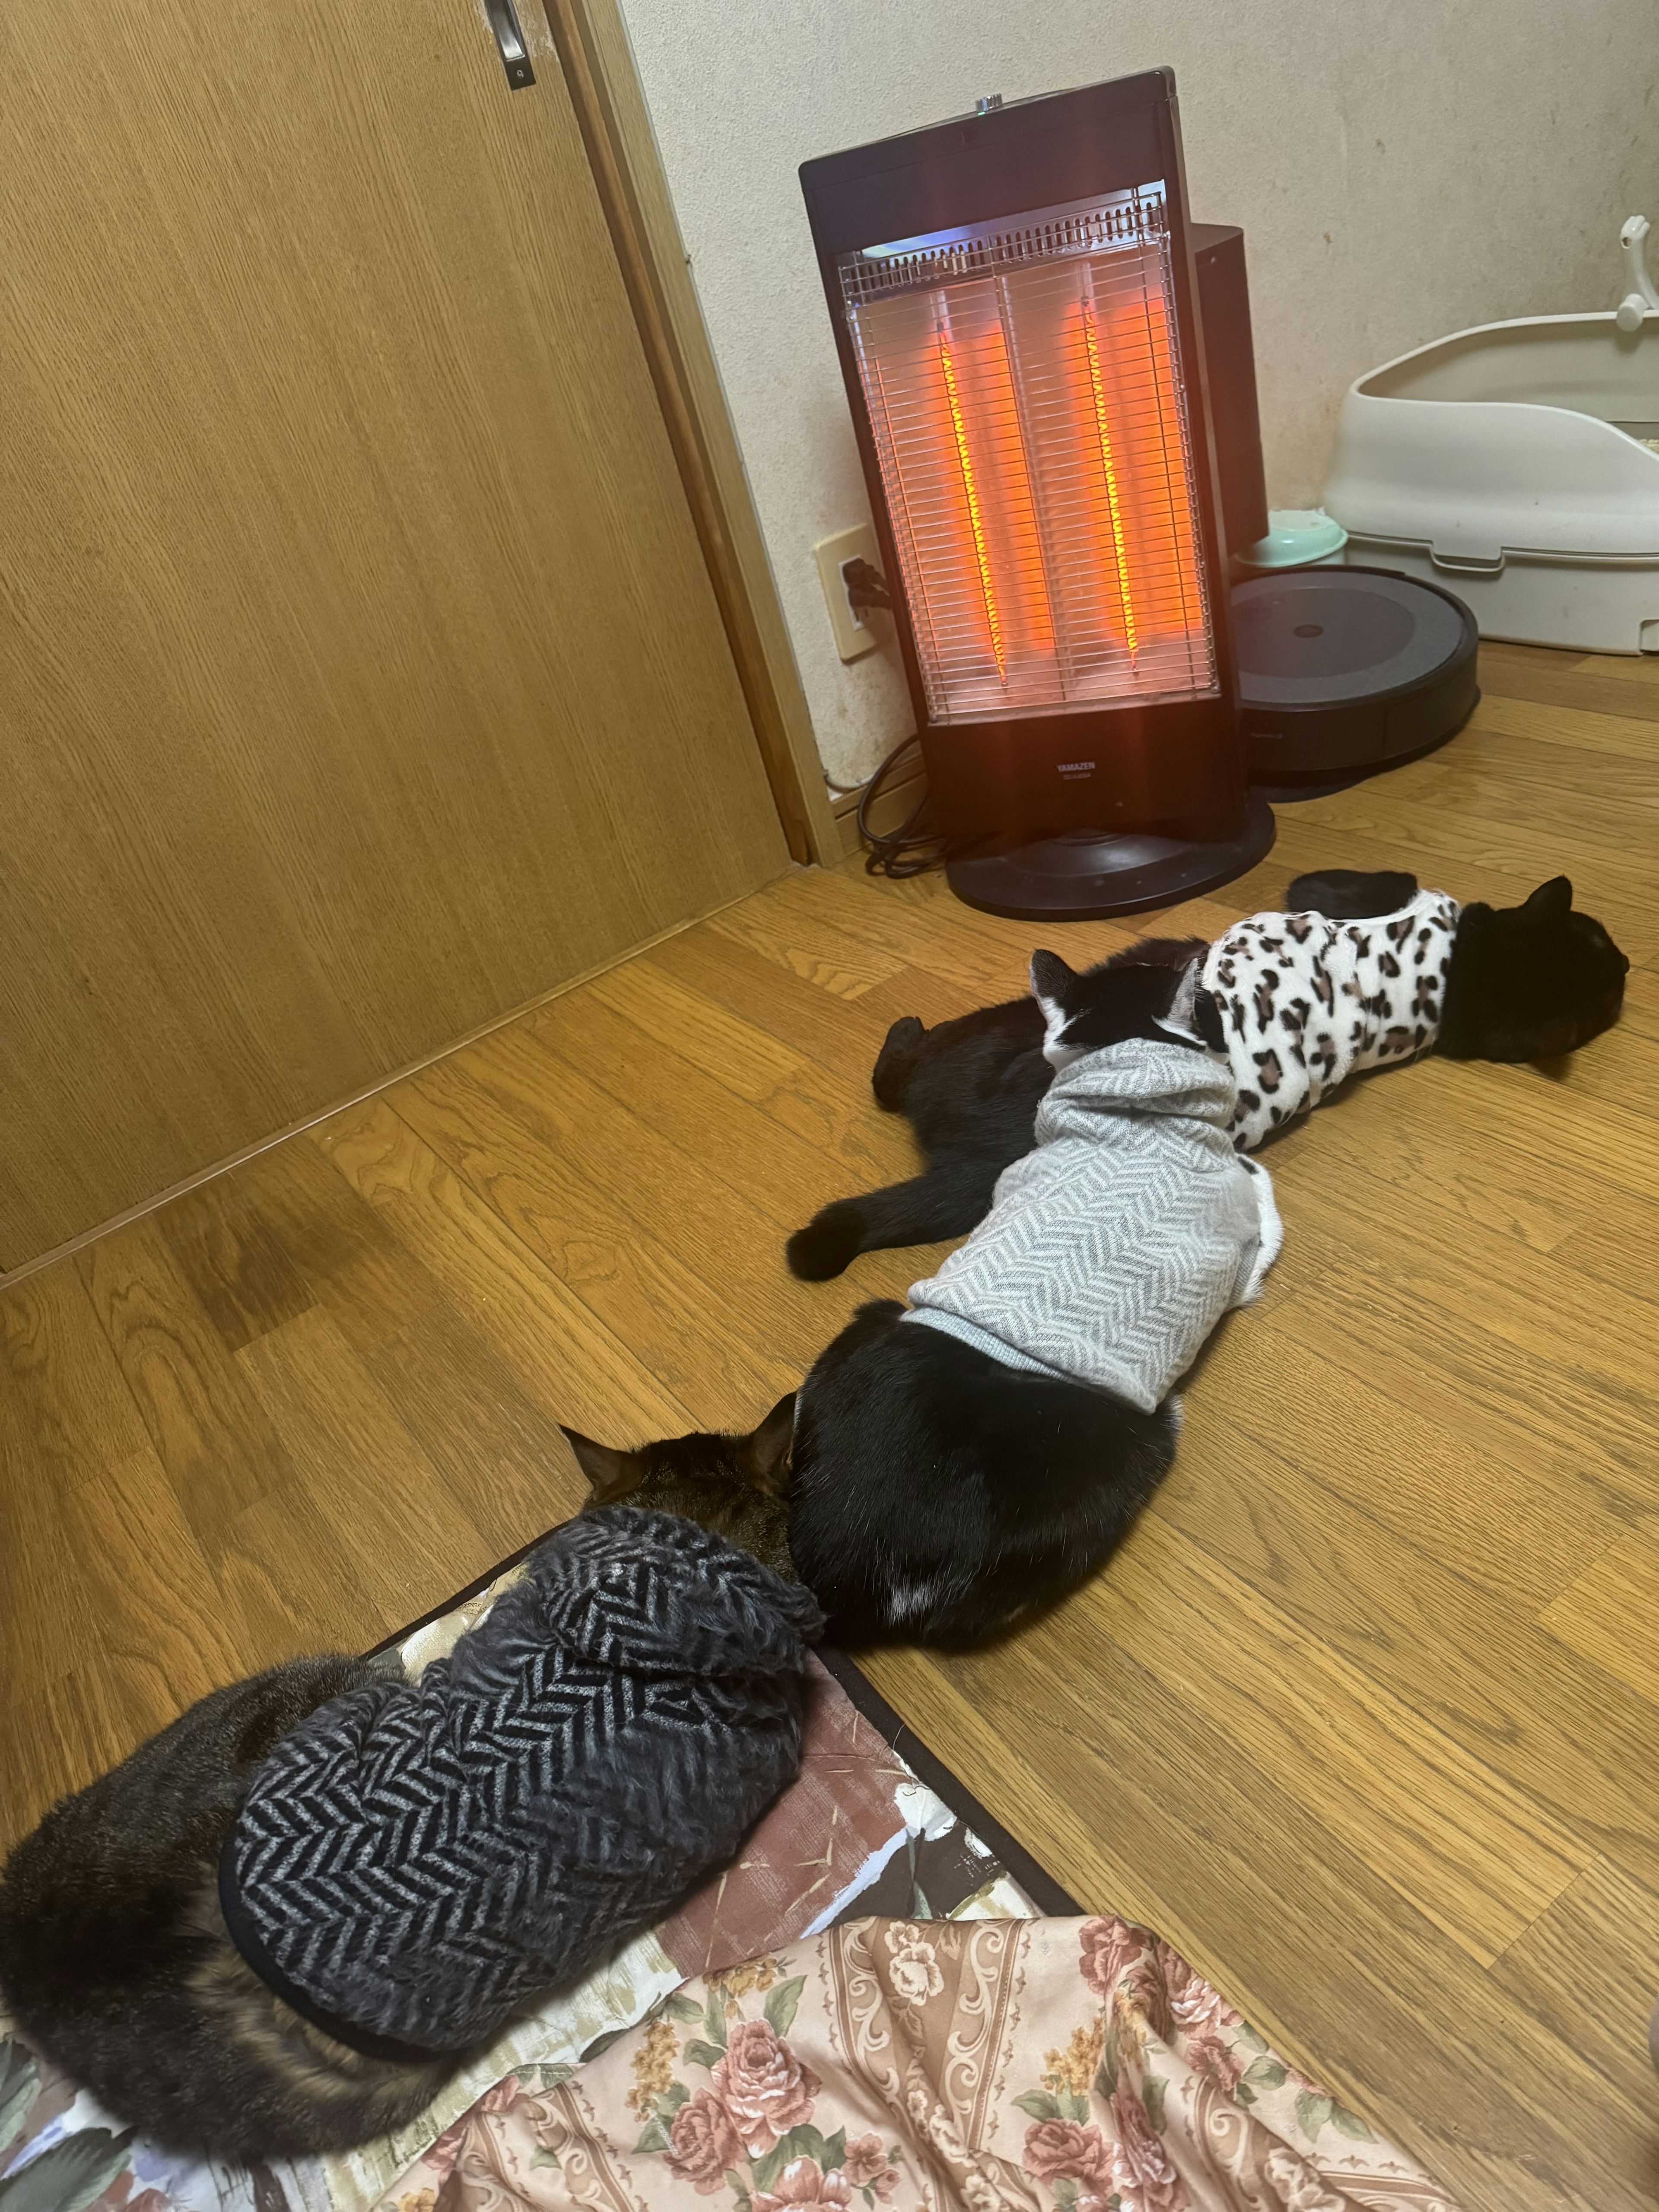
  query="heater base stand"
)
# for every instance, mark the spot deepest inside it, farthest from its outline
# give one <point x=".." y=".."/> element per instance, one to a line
<point x="1085" y="874"/>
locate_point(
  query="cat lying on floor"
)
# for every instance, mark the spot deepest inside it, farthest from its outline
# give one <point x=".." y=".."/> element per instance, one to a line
<point x="1341" y="982"/>
<point x="280" y="1924"/>
<point x="737" y="1486"/>
<point x="961" y="1463"/>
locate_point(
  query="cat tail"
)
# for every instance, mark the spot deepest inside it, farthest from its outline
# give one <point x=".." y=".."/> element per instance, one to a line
<point x="953" y="1197"/>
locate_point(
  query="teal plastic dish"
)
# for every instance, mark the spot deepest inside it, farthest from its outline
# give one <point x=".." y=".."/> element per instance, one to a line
<point x="1297" y="536"/>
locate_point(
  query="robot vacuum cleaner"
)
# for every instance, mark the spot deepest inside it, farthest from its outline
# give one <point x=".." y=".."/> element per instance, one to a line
<point x="1346" y="671"/>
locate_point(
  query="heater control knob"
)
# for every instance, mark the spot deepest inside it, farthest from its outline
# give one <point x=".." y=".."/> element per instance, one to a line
<point x="984" y="105"/>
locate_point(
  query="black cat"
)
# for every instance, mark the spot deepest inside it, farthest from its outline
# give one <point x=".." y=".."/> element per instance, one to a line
<point x="941" y="1494"/>
<point x="116" y="1961"/>
<point x="1525" y="983"/>
<point x="942" y="1497"/>
<point x="971" y="1088"/>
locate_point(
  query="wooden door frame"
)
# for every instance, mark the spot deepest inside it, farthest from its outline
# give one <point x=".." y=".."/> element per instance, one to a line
<point x="592" y="42"/>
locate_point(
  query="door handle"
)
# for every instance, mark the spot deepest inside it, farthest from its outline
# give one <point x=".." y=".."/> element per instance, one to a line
<point x="515" y="54"/>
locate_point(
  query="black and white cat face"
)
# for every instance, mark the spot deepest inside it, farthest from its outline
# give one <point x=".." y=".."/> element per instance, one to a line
<point x="1105" y="1005"/>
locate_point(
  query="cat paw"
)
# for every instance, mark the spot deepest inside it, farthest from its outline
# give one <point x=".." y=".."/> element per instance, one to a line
<point x="828" y="1244"/>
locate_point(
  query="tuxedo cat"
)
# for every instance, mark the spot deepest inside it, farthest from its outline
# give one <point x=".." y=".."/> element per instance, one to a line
<point x="965" y="1461"/>
<point x="1525" y="983"/>
<point x="117" y="1958"/>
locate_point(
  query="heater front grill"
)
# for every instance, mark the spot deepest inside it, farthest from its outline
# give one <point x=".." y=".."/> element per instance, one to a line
<point x="1024" y="386"/>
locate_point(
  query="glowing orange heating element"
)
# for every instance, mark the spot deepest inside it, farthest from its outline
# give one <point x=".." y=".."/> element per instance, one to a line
<point x="1036" y="452"/>
<point x="1091" y="351"/>
<point x="1157" y="329"/>
<point x="976" y="516"/>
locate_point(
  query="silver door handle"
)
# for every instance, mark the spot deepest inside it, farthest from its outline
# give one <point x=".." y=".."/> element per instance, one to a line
<point x="515" y="54"/>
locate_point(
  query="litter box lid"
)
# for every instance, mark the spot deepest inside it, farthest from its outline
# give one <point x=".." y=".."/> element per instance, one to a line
<point x="1507" y="438"/>
<point x="1343" y="671"/>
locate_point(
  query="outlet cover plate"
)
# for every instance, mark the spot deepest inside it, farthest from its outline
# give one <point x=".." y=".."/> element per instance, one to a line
<point x="853" y="634"/>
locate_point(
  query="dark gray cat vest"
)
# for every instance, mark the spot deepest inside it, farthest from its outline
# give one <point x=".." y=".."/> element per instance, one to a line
<point x="418" y="1860"/>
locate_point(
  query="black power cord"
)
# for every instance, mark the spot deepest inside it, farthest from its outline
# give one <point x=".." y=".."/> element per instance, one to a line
<point x="911" y="849"/>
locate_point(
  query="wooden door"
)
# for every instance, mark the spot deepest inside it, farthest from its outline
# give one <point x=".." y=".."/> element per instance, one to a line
<point x="359" y="675"/>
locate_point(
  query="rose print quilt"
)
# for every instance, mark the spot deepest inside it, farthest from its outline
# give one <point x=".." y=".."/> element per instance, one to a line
<point x="1037" y="2065"/>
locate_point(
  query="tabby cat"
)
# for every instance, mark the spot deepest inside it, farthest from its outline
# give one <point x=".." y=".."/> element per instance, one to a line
<point x="116" y="1962"/>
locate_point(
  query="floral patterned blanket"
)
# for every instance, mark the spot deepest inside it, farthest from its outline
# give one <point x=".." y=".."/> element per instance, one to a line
<point x="1077" y="2064"/>
<point x="959" y="2052"/>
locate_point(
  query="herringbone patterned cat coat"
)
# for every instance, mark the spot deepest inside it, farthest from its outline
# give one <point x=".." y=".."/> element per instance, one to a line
<point x="418" y="1859"/>
<point x="1113" y="1247"/>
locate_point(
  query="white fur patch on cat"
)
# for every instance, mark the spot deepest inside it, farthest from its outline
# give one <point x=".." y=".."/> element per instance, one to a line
<point x="1055" y="1050"/>
<point x="1273" y="1230"/>
<point x="1181" y="1020"/>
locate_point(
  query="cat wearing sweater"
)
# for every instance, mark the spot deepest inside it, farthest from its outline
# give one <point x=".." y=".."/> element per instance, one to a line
<point x="279" y="1926"/>
<point x="1363" y="971"/>
<point x="965" y="1461"/>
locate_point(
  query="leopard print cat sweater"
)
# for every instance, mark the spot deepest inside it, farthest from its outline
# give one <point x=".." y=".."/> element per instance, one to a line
<point x="1304" y="1003"/>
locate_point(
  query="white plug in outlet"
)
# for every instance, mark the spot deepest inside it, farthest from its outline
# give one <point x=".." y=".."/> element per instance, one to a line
<point x="851" y="624"/>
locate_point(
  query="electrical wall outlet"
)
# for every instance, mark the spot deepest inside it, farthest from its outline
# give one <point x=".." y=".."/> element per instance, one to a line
<point x="854" y="632"/>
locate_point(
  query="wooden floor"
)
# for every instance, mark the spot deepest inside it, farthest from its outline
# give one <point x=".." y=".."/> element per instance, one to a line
<point x="1366" y="1717"/>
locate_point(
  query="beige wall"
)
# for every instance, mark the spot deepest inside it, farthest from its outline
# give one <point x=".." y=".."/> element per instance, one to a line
<point x="1400" y="168"/>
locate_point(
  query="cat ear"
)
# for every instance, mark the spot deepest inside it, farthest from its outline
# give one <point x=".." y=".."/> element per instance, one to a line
<point x="769" y="1447"/>
<point x="1049" y="977"/>
<point x="1551" y="902"/>
<point x="610" y="1473"/>
<point x="1183" y="1006"/>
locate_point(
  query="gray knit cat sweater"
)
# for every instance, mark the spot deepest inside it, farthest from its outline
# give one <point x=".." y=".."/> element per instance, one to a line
<point x="1113" y="1249"/>
<point x="417" y="1860"/>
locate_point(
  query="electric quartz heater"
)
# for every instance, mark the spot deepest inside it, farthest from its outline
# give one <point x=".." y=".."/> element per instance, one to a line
<point x="1015" y="305"/>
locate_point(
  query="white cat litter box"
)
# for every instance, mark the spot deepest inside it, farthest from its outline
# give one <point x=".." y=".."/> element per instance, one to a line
<point x="1508" y="462"/>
